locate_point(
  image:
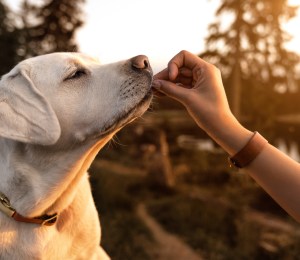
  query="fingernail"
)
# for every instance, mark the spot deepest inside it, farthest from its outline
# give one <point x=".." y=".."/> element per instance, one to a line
<point x="156" y="84"/>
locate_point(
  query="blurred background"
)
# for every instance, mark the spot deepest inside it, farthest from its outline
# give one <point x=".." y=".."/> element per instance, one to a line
<point x="163" y="189"/>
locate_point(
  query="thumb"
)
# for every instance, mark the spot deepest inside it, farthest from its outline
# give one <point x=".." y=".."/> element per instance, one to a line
<point x="170" y="89"/>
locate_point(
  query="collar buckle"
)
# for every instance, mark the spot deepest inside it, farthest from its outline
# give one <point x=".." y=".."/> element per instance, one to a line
<point x="5" y="206"/>
<point x="50" y="220"/>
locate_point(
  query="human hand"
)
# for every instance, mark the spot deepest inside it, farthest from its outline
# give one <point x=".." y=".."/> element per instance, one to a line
<point x="198" y="86"/>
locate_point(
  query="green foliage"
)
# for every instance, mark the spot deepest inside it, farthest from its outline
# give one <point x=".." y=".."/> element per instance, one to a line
<point x="50" y="27"/>
<point x="38" y="29"/>
<point x="254" y="39"/>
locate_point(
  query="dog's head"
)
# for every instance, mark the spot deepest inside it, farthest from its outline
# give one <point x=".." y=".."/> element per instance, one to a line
<point x="72" y="96"/>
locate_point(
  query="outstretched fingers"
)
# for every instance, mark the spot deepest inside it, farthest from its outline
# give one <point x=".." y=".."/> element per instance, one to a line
<point x="176" y="91"/>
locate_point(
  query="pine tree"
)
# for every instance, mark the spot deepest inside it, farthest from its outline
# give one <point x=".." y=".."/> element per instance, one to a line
<point x="50" y="27"/>
<point x="8" y="40"/>
<point x="251" y="55"/>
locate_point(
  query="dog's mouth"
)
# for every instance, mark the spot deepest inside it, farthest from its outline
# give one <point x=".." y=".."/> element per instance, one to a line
<point x="136" y="110"/>
<point x="133" y="113"/>
<point x="134" y="97"/>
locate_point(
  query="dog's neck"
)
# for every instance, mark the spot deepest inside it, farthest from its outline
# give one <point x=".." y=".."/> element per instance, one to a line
<point x="39" y="180"/>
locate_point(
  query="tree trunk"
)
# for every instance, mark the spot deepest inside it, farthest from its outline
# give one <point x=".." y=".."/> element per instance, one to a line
<point x="166" y="162"/>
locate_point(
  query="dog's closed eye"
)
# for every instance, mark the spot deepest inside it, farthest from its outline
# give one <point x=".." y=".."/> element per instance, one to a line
<point x="77" y="74"/>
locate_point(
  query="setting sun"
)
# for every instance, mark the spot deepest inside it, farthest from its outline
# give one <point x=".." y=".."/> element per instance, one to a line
<point x="292" y="27"/>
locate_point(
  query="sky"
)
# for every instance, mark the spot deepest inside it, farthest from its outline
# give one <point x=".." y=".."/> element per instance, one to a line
<point x="156" y="28"/>
<point x="119" y="29"/>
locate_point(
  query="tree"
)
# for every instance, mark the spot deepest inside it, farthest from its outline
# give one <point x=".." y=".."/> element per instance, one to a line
<point x="50" y="27"/>
<point x="8" y="40"/>
<point x="38" y="29"/>
<point x="251" y="55"/>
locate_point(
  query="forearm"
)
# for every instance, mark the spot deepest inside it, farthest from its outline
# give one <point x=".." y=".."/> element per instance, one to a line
<point x="223" y="128"/>
<point x="279" y="176"/>
<point x="274" y="171"/>
<point x="198" y="86"/>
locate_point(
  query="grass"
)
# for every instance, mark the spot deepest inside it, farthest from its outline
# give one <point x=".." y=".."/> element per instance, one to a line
<point x="123" y="235"/>
<point x="213" y="228"/>
<point x="201" y="225"/>
<point x="215" y="224"/>
<point x="217" y="231"/>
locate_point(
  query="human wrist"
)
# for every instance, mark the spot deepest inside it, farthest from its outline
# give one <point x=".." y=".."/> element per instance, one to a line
<point x="220" y="124"/>
<point x="249" y="152"/>
<point x="228" y="132"/>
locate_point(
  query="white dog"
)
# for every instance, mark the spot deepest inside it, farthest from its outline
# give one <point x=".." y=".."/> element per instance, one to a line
<point x="56" y="112"/>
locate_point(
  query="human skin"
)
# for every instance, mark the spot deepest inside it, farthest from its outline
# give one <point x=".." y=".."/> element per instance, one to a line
<point x="198" y="86"/>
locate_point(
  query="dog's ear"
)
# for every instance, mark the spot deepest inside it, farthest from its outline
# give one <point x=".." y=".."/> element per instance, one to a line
<point x="25" y="114"/>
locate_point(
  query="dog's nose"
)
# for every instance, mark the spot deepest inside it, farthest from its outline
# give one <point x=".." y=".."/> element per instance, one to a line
<point x="140" y="62"/>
